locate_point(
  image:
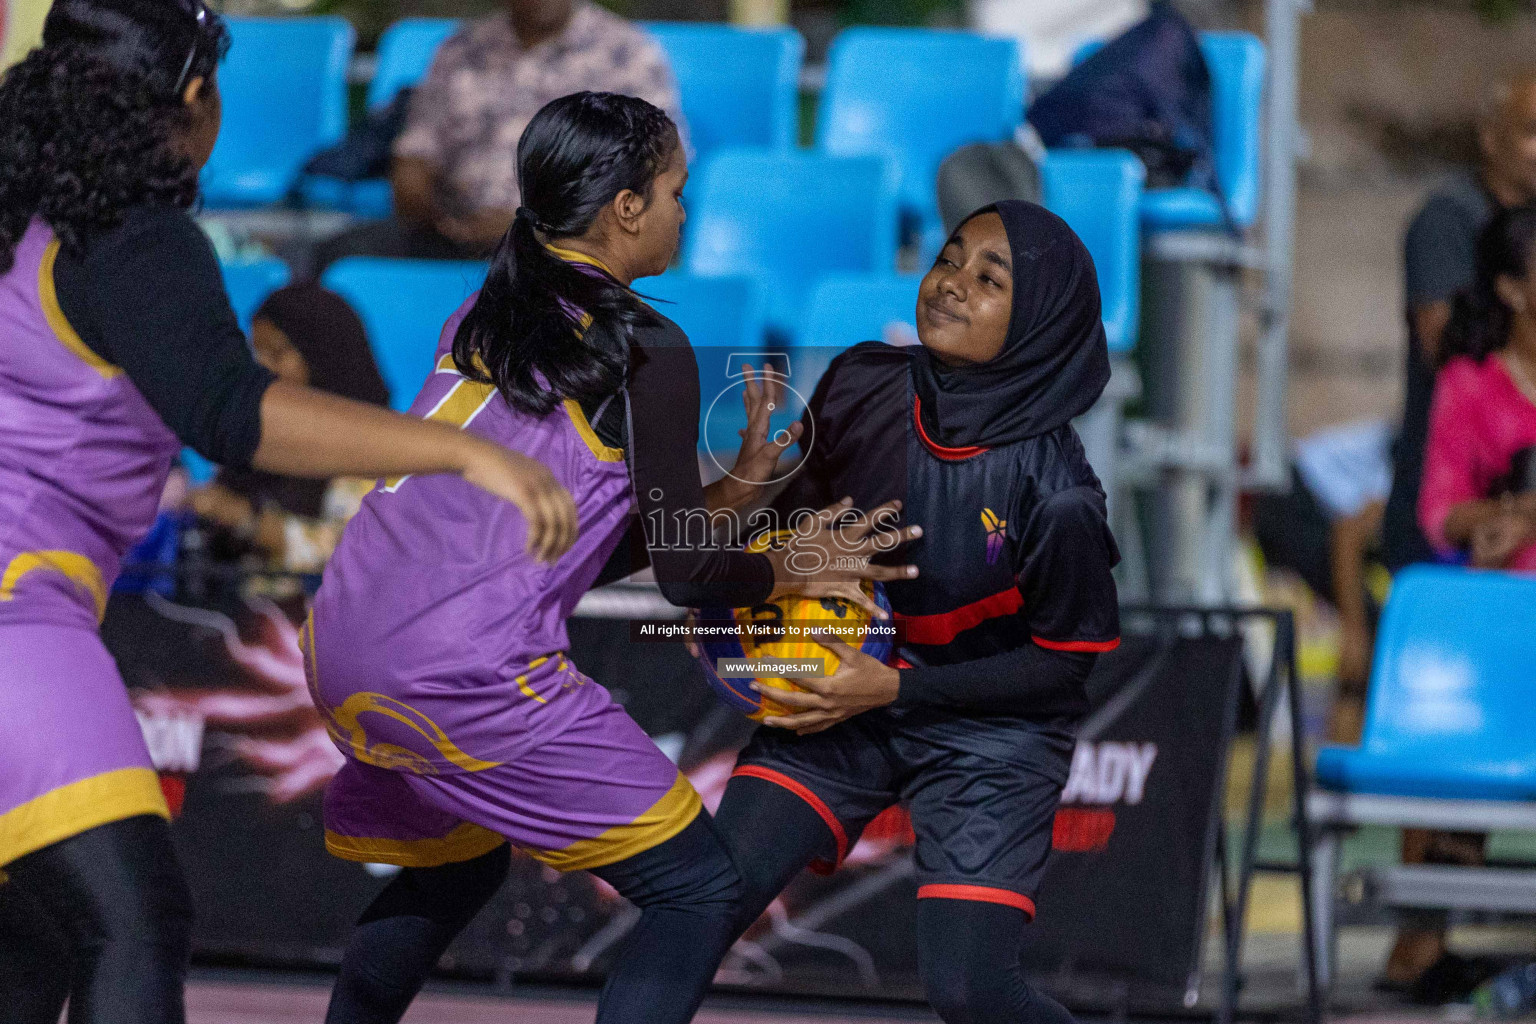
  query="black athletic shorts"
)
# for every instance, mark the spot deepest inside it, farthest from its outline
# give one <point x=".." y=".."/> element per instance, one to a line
<point x="983" y="825"/>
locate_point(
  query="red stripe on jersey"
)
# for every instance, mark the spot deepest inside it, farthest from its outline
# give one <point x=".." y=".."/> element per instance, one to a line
<point x="979" y="894"/>
<point x="839" y="836"/>
<point x="949" y="454"/>
<point x="1095" y="646"/>
<point x="945" y="626"/>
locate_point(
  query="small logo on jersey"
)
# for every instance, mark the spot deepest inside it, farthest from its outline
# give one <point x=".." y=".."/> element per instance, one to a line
<point x="995" y="533"/>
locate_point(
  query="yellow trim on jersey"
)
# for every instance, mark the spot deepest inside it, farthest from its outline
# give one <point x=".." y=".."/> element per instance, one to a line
<point x="458" y="408"/>
<point x="665" y="819"/>
<point x="572" y="256"/>
<point x="589" y="436"/>
<point x="49" y="297"/>
<point x="71" y="564"/>
<point x="79" y="806"/>
<point x="466" y="842"/>
<point x="446" y="364"/>
<point x="522" y="680"/>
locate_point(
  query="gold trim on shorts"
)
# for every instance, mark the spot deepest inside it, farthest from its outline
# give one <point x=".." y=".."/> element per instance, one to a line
<point x="466" y="842"/>
<point x="78" y="807"/>
<point x="666" y="818"/>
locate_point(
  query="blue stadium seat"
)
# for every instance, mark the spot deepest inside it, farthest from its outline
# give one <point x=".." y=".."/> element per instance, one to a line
<point x="1237" y="63"/>
<point x="722" y="316"/>
<point x="249" y="283"/>
<point x="403" y="56"/>
<point x="1098" y="192"/>
<point x="740" y="87"/>
<point x="284" y="86"/>
<point x="403" y="305"/>
<point x="843" y="310"/>
<point x="915" y="96"/>
<point x="1451" y="698"/>
<point x="788" y="219"/>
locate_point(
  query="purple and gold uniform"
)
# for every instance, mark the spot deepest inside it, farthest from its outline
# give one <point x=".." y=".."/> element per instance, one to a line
<point x="435" y="651"/>
<point x="83" y="461"/>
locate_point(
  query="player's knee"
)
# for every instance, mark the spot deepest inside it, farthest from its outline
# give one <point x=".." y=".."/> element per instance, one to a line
<point x="714" y="882"/>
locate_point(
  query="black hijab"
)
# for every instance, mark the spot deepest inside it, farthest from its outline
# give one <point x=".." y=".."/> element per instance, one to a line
<point x="1054" y="363"/>
<point x="329" y="335"/>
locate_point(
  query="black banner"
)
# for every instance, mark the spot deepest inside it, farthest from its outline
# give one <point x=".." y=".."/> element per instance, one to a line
<point x="219" y="685"/>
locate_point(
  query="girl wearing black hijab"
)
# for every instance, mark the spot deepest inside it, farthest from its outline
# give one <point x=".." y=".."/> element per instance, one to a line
<point x="973" y="726"/>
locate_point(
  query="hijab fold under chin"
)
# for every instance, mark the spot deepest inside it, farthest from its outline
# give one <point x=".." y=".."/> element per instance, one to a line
<point x="1054" y="363"/>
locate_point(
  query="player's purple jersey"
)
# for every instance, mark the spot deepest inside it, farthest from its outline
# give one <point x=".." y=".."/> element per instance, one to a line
<point x="83" y="457"/>
<point x="432" y="617"/>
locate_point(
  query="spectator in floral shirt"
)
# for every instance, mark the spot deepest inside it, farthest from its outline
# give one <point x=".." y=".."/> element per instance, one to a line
<point x="454" y="172"/>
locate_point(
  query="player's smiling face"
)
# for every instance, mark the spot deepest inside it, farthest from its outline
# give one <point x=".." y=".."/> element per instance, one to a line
<point x="966" y="300"/>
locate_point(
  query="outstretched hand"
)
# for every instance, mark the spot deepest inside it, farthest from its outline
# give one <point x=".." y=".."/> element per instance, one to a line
<point x="832" y="557"/>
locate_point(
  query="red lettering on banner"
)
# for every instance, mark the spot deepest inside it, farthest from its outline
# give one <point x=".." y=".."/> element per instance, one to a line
<point x="1082" y="830"/>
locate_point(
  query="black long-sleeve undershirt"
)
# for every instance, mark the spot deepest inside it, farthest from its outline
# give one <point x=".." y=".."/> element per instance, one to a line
<point x="148" y="296"/>
<point x="1030" y="681"/>
<point x="672" y="533"/>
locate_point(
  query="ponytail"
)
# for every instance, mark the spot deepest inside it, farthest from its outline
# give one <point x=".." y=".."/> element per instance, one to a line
<point x="543" y="329"/>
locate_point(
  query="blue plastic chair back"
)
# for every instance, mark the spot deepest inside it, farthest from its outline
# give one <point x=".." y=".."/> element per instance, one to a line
<point x="915" y="96"/>
<point x="1237" y="64"/>
<point x="249" y="284"/>
<point x="1098" y="193"/>
<point x="284" y="86"/>
<point x="723" y="317"/>
<point x="845" y="309"/>
<point x="787" y="219"/>
<point x="739" y="86"/>
<point x="1452" y="696"/>
<point x="405" y="53"/>
<point x="403" y="305"/>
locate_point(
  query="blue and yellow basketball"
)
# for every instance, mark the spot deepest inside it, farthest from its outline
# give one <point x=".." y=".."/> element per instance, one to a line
<point x="769" y="638"/>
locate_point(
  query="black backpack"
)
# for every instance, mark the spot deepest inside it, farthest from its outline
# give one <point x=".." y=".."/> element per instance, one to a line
<point x="364" y="151"/>
<point x="1148" y="91"/>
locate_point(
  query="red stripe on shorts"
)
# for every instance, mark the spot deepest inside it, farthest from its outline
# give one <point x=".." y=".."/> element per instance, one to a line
<point x="978" y="893"/>
<point x="839" y="836"/>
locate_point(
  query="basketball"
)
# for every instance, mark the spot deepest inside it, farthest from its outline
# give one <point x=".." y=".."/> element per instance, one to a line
<point x="766" y="632"/>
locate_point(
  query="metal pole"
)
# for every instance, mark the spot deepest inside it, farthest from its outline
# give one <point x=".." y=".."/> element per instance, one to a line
<point x="1300" y="785"/>
<point x="1232" y="981"/>
<point x="1282" y="30"/>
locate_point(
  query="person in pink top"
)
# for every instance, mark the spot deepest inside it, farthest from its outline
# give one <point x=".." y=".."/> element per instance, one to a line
<point x="1479" y="492"/>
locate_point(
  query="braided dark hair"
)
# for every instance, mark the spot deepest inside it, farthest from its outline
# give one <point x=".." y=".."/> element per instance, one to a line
<point x="89" y="120"/>
<point x="1480" y="321"/>
<point x="576" y="155"/>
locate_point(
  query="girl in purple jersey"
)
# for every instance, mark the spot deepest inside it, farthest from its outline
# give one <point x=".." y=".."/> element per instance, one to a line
<point x="117" y="347"/>
<point x="437" y="651"/>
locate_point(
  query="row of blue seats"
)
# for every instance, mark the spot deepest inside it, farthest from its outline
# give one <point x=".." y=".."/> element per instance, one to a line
<point x="910" y="95"/>
<point x="769" y="237"/>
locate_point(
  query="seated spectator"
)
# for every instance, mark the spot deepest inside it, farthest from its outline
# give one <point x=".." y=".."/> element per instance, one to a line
<point x="454" y="171"/>
<point x="1439" y="260"/>
<point x="1327" y="529"/>
<point x="1479" y="490"/>
<point x="1440" y="253"/>
<point x="306" y="335"/>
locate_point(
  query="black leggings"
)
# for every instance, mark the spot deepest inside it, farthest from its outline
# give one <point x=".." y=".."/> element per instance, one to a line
<point x="102" y="919"/>
<point x="969" y="951"/>
<point x="686" y="888"/>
